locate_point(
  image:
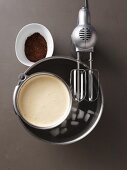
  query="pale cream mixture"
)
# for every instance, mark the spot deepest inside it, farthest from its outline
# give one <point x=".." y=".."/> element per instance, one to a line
<point x="43" y="100"/>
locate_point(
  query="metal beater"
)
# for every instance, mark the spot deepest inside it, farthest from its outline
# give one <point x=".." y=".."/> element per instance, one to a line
<point x="84" y="38"/>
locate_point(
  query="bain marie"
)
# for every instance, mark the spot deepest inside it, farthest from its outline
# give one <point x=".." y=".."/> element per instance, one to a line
<point x="44" y="100"/>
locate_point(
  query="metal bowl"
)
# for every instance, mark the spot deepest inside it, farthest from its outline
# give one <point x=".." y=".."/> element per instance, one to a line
<point x="24" y="80"/>
<point x="69" y="133"/>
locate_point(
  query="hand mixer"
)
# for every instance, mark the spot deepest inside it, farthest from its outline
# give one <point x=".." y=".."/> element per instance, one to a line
<point x="84" y="39"/>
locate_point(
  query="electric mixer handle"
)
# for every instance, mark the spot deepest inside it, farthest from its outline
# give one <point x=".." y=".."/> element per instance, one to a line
<point x="84" y="15"/>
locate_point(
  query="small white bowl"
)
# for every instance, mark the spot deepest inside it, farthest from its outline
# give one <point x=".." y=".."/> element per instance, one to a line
<point x="27" y="31"/>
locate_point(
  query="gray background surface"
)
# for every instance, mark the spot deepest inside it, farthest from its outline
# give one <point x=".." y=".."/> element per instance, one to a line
<point x="106" y="147"/>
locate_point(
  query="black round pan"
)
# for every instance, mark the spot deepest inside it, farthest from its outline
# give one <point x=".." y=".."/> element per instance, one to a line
<point x="72" y="131"/>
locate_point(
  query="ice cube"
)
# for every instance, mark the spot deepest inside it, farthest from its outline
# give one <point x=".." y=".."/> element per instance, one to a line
<point x="73" y="116"/>
<point x="55" y="132"/>
<point x="74" y="109"/>
<point x="74" y="123"/>
<point x="63" y="131"/>
<point x="87" y="116"/>
<point x="80" y="114"/>
<point x="90" y="112"/>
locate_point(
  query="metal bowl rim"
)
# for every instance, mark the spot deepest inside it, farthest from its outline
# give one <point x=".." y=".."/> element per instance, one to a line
<point x="25" y="81"/>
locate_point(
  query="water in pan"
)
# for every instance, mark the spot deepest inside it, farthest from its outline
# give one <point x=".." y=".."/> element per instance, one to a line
<point x="78" y="120"/>
<point x="70" y="125"/>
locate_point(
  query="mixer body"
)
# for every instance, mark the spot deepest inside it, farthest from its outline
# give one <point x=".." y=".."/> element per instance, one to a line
<point x="84" y="38"/>
<point x="84" y="35"/>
